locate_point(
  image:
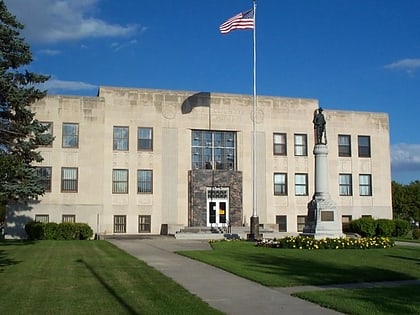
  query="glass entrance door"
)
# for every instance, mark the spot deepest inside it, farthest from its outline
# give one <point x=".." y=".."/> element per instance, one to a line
<point x="217" y="207"/>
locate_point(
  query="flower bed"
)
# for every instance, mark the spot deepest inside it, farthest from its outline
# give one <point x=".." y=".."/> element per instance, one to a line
<point x="305" y="242"/>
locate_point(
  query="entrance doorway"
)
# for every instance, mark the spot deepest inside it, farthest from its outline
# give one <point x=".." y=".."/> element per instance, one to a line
<point x="217" y="206"/>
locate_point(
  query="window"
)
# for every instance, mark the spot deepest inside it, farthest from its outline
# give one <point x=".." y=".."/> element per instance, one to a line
<point x="280" y="184"/>
<point x="49" y="131"/>
<point x="364" y="146"/>
<point x="213" y="150"/>
<point x="281" y="220"/>
<point x="120" y="136"/>
<point x="365" y="185"/>
<point x="345" y="185"/>
<point x="279" y="144"/>
<point x="119" y="223"/>
<point x="301" y="221"/>
<point x="70" y="135"/>
<point x="145" y="139"/>
<point x="120" y="181"/>
<point x="144" y="181"/>
<point x="44" y="175"/>
<point x="344" y="145"/>
<point x="301" y="148"/>
<point x="145" y="224"/>
<point x="69" y="179"/>
<point x="301" y="184"/>
<point x="43" y="218"/>
<point x="68" y="218"/>
<point x="345" y="223"/>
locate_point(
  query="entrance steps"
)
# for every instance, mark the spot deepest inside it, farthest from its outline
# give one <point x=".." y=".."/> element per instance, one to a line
<point x="219" y="233"/>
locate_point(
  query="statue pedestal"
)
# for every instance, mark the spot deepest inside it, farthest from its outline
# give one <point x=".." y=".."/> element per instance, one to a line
<point x="323" y="220"/>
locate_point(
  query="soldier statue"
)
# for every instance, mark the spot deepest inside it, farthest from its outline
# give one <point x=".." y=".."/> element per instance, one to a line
<point x="319" y="126"/>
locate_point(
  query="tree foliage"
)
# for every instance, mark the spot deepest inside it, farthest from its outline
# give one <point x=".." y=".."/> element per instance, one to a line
<point x="406" y="200"/>
<point x="20" y="132"/>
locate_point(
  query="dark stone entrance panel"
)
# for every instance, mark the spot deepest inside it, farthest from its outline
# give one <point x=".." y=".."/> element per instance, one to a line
<point x="200" y="180"/>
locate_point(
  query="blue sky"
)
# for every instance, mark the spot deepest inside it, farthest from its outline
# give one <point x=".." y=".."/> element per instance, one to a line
<point x="361" y="55"/>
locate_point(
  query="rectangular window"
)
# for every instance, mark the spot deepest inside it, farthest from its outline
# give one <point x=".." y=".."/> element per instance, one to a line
<point x="301" y="145"/>
<point x="44" y="175"/>
<point x="69" y="179"/>
<point x="49" y="131"/>
<point x="144" y="139"/>
<point x="345" y="185"/>
<point x="344" y="145"/>
<point x="120" y="139"/>
<point x="365" y="185"/>
<point x="213" y="150"/>
<point x="68" y="218"/>
<point x="119" y="181"/>
<point x="43" y="218"/>
<point x="280" y="184"/>
<point x="145" y="225"/>
<point x="279" y="144"/>
<point x="119" y="223"/>
<point x="301" y="184"/>
<point x="364" y="146"/>
<point x="70" y="135"/>
<point x="145" y="181"/>
<point x="301" y="221"/>
<point x="345" y="223"/>
<point x="281" y="220"/>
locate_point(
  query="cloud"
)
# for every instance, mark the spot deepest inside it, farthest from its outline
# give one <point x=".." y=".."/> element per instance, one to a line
<point x="405" y="157"/>
<point x="116" y="46"/>
<point x="50" y="21"/>
<point x="50" y="52"/>
<point x="408" y="65"/>
<point x="56" y="85"/>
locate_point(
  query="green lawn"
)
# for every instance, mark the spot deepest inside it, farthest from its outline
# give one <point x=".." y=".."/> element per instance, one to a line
<point x="86" y="277"/>
<point x="292" y="267"/>
<point x="380" y="301"/>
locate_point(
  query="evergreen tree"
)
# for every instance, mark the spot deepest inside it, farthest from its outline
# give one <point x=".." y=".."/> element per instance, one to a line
<point x="20" y="132"/>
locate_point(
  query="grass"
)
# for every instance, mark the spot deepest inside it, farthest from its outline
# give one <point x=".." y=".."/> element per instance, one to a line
<point x="289" y="267"/>
<point x="381" y="301"/>
<point x="86" y="277"/>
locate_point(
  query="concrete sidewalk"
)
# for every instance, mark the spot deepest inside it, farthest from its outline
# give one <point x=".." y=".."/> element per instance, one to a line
<point x="221" y="290"/>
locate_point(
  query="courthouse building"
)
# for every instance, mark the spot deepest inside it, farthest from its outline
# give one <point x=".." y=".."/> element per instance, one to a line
<point x="141" y="161"/>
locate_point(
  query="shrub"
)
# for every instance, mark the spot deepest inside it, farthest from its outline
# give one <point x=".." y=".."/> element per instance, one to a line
<point x="385" y="227"/>
<point x="83" y="231"/>
<point x="401" y="227"/>
<point x="34" y="230"/>
<point x="366" y="227"/>
<point x="416" y="234"/>
<point x="51" y="231"/>
<point x="66" y="231"/>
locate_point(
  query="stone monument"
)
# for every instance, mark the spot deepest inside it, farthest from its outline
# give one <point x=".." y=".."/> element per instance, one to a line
<point x="323" y="220"/>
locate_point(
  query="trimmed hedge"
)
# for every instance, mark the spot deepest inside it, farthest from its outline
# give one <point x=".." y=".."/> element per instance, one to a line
<point x="416" y="234"/>
<point x="369" y="227"/>
<point x="402" y="227"/>
<point x="58" y="231"/>
<point x="366" y="227"/>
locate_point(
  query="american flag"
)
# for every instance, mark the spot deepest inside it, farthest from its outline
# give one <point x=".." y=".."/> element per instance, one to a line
<point x="241" y="21"/>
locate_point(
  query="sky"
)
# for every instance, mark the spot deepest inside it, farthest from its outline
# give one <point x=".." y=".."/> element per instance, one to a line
<point x="358" y="55"/>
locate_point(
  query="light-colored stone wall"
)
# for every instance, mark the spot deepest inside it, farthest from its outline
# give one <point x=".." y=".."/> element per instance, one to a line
<point x="172" y="121"/>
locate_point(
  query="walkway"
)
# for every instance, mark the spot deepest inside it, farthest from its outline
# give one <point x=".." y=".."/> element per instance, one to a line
<point x="221" y="290"/>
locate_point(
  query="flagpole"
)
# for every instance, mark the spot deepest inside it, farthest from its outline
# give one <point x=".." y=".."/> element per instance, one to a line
<point x="254" y="219"/>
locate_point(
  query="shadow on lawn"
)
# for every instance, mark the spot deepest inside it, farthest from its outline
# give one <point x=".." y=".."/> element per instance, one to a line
<point x="5" y="260"/>
<point x="316" y="273"/>
<point x="123" y="303"/>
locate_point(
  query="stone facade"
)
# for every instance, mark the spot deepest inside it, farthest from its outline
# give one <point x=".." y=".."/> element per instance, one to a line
<point x="178" y="195"/>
